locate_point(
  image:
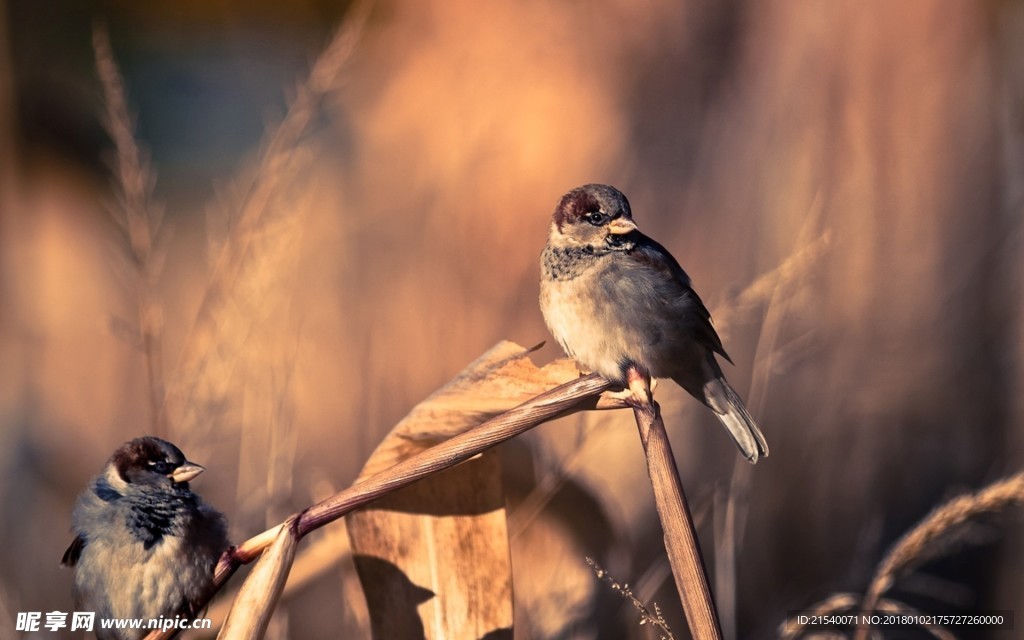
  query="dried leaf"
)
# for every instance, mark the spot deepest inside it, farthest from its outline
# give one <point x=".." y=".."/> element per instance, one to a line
<point x="444" y="540"/>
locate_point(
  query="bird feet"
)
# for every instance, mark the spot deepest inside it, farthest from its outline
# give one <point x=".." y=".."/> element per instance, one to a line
<point x="640" y="391"/>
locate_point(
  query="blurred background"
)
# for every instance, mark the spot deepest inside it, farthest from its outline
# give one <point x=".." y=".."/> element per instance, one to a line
<point x="876" y="146"/>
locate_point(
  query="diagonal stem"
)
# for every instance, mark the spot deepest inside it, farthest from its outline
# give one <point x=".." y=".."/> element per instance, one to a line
<point x="581" y="393"/>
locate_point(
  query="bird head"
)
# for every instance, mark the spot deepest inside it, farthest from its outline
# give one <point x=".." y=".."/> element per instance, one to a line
<point x="150" y="462"/>
<point x="592" y="215"/>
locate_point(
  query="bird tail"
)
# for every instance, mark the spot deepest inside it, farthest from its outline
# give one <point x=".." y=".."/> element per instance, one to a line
<point x="728" y="406"/>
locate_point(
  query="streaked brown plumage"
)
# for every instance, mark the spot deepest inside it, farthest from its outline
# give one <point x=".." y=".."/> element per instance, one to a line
<point x="616" y="299"/>
<point x="145" y="545"/>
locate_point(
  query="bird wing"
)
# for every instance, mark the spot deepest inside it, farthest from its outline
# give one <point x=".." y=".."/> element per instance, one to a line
<point x="655" y="258"/>
<point x="73" y="552"/>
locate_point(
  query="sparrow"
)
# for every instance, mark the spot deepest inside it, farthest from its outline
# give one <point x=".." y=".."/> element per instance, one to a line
<point x="620" y="304"/>
<point x="145" y="544"/>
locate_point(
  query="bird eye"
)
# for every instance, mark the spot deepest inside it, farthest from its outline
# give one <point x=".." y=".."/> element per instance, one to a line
<point x="162" y="467"/>
<point x="595" y="218"/>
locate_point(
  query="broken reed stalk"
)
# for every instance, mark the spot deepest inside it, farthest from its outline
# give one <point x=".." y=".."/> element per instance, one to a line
<point x="677" y="524"/>
<point x="551" y="404"/>
<point x="251" y="611"/>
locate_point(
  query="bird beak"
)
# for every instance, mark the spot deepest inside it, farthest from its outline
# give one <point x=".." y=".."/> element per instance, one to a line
<point x="186" y="472"/>
<point x="621" y="226"/>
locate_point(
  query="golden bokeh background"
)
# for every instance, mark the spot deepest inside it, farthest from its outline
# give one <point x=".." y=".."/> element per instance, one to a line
<point x="885" y="138"/>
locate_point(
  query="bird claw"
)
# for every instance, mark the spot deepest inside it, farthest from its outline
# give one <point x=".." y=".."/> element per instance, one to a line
<point x="640" y="390"/>
<point x="624" y="396"/>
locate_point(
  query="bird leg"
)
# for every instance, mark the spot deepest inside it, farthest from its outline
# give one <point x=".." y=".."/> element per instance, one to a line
<point x="640" y="388"/>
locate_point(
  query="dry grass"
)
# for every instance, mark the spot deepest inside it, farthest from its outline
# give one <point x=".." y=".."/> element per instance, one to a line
<point x="936" y="535"/>
<point x="496" y="378"/>
<point x="394" y="230"/>
<point x="264" y="586"/>
<point x="647" y="616"/>
<point x="140" y="218"/>
<point x="579" y="393"/>
<point x="186" y="403"/>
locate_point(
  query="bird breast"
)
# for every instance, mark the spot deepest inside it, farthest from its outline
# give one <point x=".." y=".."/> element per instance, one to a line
<point x="613" y="312"/>
<point x="585" y="321"/>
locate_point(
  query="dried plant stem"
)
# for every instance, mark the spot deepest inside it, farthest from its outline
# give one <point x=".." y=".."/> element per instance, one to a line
<point x="731" y="512"/>
<point x="140" y="219"/>
<point x="654" y="618"/>
<point x="753" y="297"/>
<point x="316" y="558"/>
<point x="455" y="450"/>
<point x="684" y="556"/>
<point x="924" y="540"/>
<point x="680" y="535"/>
<point x="275" y="167"/>
<point x="581" y="393"/>
<point x="251" y="611"/>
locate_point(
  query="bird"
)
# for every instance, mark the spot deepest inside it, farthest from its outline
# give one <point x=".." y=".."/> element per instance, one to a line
<point x="621" y="306"/>
<point x="145" y="545"/>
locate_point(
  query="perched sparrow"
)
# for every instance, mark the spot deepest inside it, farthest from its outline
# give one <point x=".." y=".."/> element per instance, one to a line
<point x="146" y="545"/>
<point x="621" y="305"/>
